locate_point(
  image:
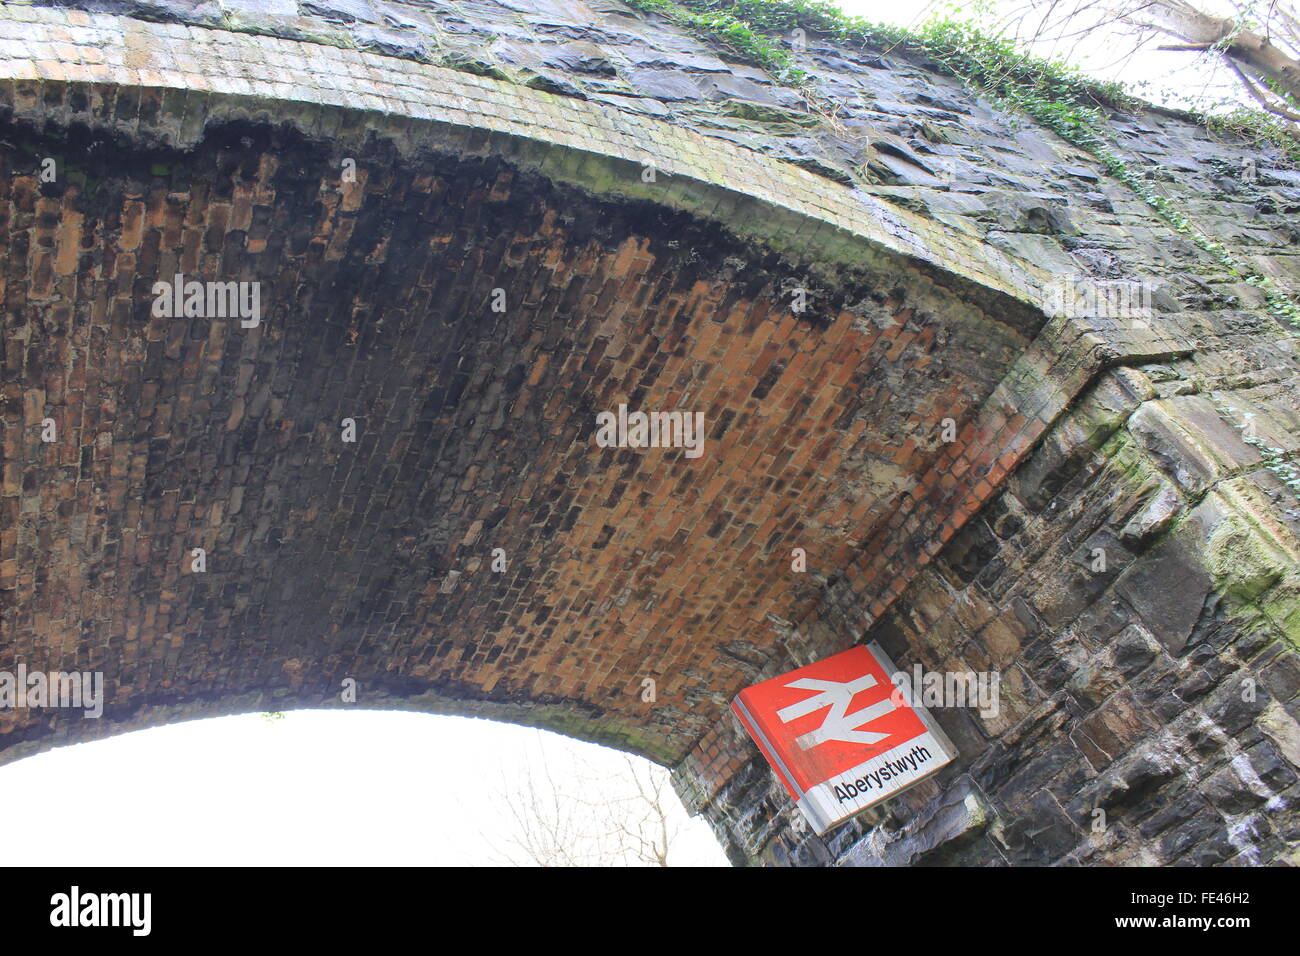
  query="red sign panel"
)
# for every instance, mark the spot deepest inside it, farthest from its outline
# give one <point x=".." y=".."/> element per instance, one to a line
<point x="840" y="736"/>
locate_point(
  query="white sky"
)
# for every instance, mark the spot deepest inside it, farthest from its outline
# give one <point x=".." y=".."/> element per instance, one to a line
<point x="1171" y="78"/>
<point x="317" y="787"/>
<point x="355" y="787"/>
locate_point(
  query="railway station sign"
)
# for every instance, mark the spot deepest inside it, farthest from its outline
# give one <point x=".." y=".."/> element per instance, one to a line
<point x="841" y="736"/>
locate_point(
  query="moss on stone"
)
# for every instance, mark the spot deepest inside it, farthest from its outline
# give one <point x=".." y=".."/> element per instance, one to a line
<point x="762" y="113"/>
<point x="477" y="66"/>
<point x="1252" y="565"/>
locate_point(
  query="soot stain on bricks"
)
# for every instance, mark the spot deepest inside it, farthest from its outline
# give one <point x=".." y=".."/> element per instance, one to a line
<point x="474" y="426"/>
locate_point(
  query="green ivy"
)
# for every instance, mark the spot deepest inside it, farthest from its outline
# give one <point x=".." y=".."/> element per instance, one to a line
<point x="1053" y="93"/>
<point x="710" y="21"/>
<point x="1273" y="458"/>
<point x="1256" y="127"/>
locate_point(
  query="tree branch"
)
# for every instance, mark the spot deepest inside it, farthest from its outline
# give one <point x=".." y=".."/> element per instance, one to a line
<point x="1253" y="89"/>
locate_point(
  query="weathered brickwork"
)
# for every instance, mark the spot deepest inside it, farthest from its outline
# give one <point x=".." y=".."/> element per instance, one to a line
<point x="476" y="431"/>
<point x="646" y="212"/>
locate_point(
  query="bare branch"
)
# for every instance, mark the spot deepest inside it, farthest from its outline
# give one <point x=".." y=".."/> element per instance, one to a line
<point x="1254" y="90"/>
<point x="1260" y="46"/>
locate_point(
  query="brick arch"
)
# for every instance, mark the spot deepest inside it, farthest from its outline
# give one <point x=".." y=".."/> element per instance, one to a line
<point x="475" y="431"/>
<point x="370" y="561"/>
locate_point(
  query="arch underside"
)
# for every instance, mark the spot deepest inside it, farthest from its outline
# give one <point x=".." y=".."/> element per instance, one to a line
<point x="475" y="429"/>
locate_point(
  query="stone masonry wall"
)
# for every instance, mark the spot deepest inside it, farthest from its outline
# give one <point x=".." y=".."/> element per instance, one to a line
<point x="1161" y="690"/>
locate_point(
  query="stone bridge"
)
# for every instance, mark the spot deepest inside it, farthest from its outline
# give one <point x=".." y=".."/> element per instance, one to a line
<point x="473" y="227"/>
